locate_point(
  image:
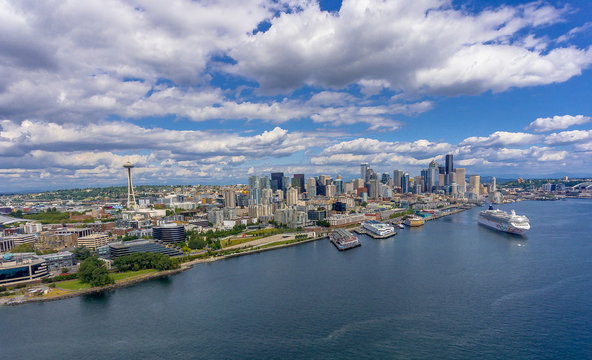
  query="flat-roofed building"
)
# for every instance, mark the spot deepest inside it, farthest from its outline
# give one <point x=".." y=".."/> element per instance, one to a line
<point x="59" y="260"/>
<point x="49" y="240"/>
<point x="94" y="241"/>
<point x="169" y="233"/>
<point x="8" y="242"/>
<point x="129" y="247"/>
<point x="343" y="219"/>
<point x="18" y="268"/>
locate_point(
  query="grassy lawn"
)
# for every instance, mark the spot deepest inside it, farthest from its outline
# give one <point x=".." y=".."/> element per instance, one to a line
<point x="72" y="285"/>
<point x="231" y="242"/>
<point x="75" y="285"/>
<point x="129" y="274"/>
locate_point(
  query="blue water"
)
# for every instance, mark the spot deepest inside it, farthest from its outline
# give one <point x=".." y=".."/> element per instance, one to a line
<point x="450" y="289"/>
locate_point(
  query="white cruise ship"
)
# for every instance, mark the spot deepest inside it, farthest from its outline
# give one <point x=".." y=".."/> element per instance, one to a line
<point x="502" y="221"/>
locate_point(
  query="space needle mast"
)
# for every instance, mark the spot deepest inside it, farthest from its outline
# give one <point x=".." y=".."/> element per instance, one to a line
<point x="131" y="197"/>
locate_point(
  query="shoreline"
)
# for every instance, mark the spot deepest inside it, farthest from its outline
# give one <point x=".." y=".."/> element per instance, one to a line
<point x="142" y="278"/>
<point x="182" y="267"/>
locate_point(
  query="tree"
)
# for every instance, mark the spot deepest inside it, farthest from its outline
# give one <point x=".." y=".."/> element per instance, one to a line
<point x="324" y="223"/>
<point x="23" y="248"/>
<point x="215" y="245"/>
<point x="82" y="253"/>
<point x="139" y="261"/>
<point x="130" y="237"/>
<point x="196" y="243"/>
<point x="93" y="271"/>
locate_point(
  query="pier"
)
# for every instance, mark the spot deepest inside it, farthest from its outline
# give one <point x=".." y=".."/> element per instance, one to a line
<point x="443" y="213"/>
<point x="361" y="231"/>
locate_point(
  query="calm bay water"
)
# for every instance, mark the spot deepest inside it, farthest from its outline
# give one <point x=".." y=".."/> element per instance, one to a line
<point x="451" y="289"/>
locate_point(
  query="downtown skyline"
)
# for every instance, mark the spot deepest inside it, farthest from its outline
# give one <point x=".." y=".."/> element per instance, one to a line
<point x="191" y="94"/>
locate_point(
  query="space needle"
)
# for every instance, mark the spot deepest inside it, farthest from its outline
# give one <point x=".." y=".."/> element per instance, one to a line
<point x="131" y="197"/>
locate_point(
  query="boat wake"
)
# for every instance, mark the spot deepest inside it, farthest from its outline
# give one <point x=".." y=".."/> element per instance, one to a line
<point x="533" y="292"/>
<point x="356" y="326"/>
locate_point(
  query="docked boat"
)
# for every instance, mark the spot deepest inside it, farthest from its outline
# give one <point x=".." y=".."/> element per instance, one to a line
<point x="343" y="239"/>
<point x="502" y="221"/>
<point x="378" y="230"/>
<point x="401" y="226"/>
<point x="413" y="221"/>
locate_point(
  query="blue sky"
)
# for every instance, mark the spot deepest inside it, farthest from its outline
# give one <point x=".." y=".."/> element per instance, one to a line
<point x="211" y="92"/>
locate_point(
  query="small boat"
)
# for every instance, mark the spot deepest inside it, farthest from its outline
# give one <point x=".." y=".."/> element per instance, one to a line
<point x="401" y="226"/>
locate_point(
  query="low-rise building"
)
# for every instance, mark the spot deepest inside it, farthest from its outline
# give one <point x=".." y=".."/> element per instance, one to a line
<point x="169" y="233"/>
<point x="346" y="219"/>
<point x="59" y="260"/>
<point x="94" y="241"/>
<point x="18" y="268"/>
<point x="115" y="250"/>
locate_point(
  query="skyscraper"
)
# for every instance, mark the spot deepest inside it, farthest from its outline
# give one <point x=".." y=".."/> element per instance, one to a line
<point x="311" y="187"/>
<point x="254" y="190"/>
<point x="449" y="164"/>
<point x="338" y="186"/>
<point x="397" y="177"/>
<point x="460" y="179"/>
<point x="475" y="183"/>
<point x="300" y="179"/>
<point x="433" y="180"/>
<point x="292" y="196"/>
<point x="265" y="183"/>
<point x="449" y="170"/>
<point x="405" y="183"/>
<point x="229" y="198"/>
<point x="364" y="171"/>
<point x="277" y="181"/>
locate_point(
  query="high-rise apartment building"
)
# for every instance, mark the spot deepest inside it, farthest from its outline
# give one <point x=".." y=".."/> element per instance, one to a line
<point x="338" y="185"/>
<point x="265" y="183"/>
<point x="330" y="191"/>
<point x="461" y="179"/>
<point x="311" y="187"/>
<point x="405" y="183"/>
<point x="397" y="178"/>
<point x="292" y="196"/>
<point x="475" y="184"/>
<point x="229" y="199"/>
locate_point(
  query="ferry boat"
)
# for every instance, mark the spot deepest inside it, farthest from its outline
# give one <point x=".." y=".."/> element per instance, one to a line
<point x="502" y="221"/>
<point x="414" y="221"/>
<point x="343" y="239"/>
<point x="377" y="229"/>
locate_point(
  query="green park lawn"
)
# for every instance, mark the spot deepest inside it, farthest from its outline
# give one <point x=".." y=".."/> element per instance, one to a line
<point x="76" y="285"/>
